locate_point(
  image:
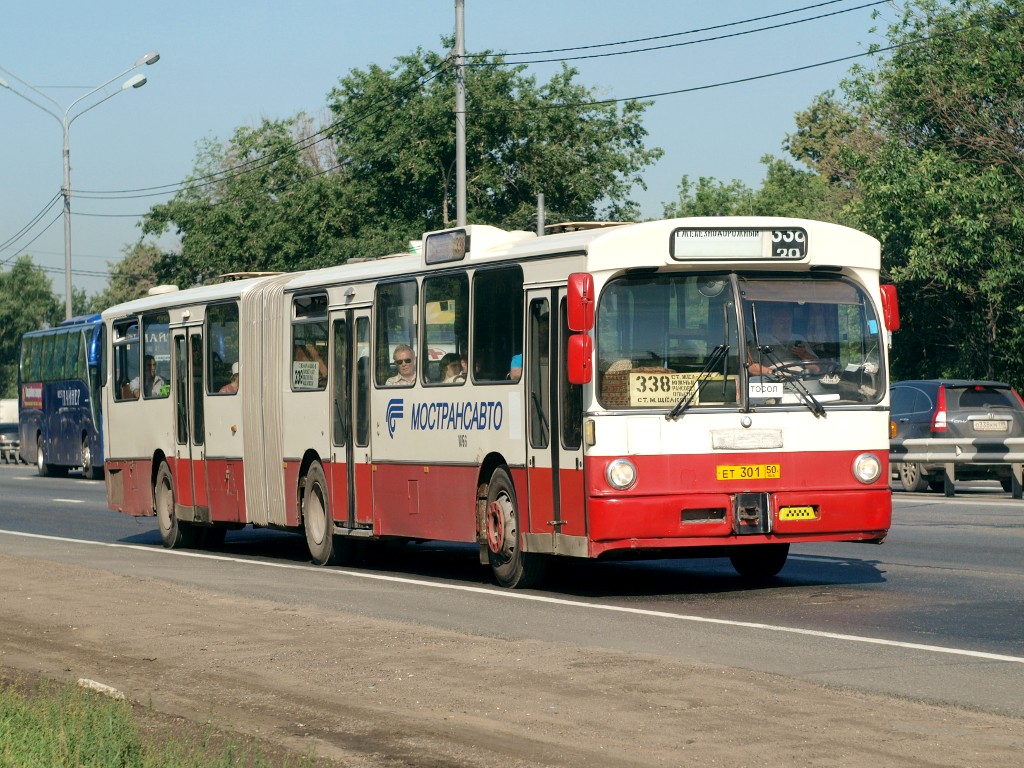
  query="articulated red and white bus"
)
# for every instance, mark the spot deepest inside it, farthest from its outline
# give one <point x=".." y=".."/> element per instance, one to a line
<point x="688" y="387"/>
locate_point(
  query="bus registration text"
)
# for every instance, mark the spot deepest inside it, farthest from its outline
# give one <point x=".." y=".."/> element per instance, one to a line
<point x="748" y="472"/>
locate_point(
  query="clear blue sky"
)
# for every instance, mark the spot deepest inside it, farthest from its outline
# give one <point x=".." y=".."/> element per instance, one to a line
<point x="227" y="63"/>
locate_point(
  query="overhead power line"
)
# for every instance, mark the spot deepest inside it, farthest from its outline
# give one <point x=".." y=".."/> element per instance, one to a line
<point x="771" y="28"/>
<point x="671" y="34"/>
<point x="53" y="221"/>
<point x="35" y="219"/>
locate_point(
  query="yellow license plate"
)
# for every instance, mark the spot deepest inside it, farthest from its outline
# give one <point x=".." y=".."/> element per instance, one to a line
<point x="748" y="472"/>
<point x="798" y="513"/>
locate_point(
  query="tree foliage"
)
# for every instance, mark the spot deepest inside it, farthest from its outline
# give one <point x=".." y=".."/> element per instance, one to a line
<point x="282" y="196"/>
<point x="27" y="302"/>
<point x="710" y="197"/>
<point x="256" y="204"/>
<point x="925" y="151"/>
<point x="785" y="191"/>
<point x="131" y="277"/>
<point x="943" y="187"/>
<point x="395" y="135"/>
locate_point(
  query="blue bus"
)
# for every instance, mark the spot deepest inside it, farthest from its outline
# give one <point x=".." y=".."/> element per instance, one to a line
<point x="60" y="424"/>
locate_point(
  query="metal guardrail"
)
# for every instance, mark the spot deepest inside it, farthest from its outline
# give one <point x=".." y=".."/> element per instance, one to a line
<point x="950" y="451"/>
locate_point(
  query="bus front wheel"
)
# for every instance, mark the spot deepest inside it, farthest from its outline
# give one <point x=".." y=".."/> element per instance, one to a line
<point x="759" y="561"/>
<point x="512" y="567"/>
<point x="174" y="532"/>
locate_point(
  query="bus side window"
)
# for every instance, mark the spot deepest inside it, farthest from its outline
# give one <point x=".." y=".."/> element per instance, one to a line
<point x="497" y="322"/>
<point x="156" y="344"/>
<point x="396" y="323"/>
<point x="126" y="358"/>
<point x="309" y="343"/>
<point x="445" y="323"/>
<point x="222" y="348"/>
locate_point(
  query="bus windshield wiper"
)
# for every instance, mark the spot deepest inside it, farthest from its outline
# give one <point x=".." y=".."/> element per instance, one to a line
<point x="717" y="355"/>
<point x="782" y="372"/>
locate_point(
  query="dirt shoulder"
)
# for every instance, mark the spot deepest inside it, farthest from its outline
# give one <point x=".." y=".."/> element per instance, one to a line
<point x="365" y="692"/>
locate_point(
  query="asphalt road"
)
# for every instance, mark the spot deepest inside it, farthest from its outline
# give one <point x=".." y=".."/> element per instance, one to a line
<point x="935" y="614"/>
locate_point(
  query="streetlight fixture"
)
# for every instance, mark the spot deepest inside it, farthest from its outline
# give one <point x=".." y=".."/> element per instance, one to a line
<point x="65" y="118"/>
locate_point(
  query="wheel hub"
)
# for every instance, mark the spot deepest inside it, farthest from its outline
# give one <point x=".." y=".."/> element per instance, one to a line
<point x="500" y="527"/>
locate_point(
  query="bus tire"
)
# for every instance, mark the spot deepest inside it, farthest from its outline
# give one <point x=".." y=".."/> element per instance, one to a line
<point x="912" y="478"/>
<point x="41" y="466"/>
<point x="759" y="561"/>
<point x="175" y="533"/>
<point x="512" y="567"/>
<point x="316" y="518"/>
<point x="88" y="470"/>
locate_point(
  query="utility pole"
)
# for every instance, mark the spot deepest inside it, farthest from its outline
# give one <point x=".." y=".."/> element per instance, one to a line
<point x="460" y="114"/>
<point x="65" y="118"/>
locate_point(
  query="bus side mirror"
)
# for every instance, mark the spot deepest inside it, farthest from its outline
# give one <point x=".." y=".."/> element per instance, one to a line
<point x="580" y="301"/>
<point x="890" y="307"/>
<point x="580" y="358"/>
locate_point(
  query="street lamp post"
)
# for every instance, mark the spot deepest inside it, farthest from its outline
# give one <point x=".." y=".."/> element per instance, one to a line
<point x="65" y="118"/>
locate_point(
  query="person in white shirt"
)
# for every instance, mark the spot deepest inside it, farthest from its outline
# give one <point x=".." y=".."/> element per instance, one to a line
<point x="405" y="363"/>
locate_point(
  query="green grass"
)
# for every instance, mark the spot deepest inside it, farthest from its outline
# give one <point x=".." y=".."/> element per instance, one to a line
<point x="51" y="724"/>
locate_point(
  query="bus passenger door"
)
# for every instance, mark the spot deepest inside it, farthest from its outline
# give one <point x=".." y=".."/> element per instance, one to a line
<point x="541" y="449"/>
<point x="569" y="432"/>
<point x="351" y="470"/>
<point x="554" y="447"/>
<point x="190" y="464"/>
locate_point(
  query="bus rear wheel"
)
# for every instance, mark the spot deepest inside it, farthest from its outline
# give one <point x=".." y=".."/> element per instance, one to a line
<point x="759" y="561"/>
<point x="324" y="547"/>
<point x="512" y="567"/>
<point x="88" y="470"/>
<point x="175" y="533"/>
<point x="41" y="466"/>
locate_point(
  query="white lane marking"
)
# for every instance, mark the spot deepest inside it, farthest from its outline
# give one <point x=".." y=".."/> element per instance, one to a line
<point x="69" y="501"/>
<point x="508" y="594"/>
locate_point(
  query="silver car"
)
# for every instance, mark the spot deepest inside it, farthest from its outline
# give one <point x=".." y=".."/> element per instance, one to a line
<point x="957" y="409"/>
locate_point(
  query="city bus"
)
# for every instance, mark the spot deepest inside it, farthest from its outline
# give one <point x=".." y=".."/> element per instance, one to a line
<point x="59" y="420"/>
<point x="622" y="396"/>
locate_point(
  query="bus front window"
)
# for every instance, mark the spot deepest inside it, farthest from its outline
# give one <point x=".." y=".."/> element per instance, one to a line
<point x="662" y="336"/>
<point x="736" y="341"/>
<point x="809" y="340"/>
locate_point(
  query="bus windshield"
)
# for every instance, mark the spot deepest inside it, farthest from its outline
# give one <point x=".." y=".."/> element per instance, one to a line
<point x="736" y="340"/>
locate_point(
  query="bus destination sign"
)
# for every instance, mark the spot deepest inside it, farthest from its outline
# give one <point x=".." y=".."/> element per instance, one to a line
<point x="734" y="243"/>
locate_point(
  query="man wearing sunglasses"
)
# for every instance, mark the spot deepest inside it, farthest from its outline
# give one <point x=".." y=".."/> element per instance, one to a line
<point x="405" y="364"/>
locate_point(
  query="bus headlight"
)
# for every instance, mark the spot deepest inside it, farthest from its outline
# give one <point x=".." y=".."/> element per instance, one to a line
<point x="621" y="474"/>
<point x="867" y="468"/>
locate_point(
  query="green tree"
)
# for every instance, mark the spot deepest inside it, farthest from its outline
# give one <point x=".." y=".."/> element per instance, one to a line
<point x="942" y="188"/>
<point x="710" y="197"/>
<point x="283" y="196"/>
<point x="785" y="191"/>
<point x="131" y="277"/>
<point x="257" y="204"/>
<point x="395" y="136"/>
<point x="27" y="302"/>
<point x="791" y="191"/>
